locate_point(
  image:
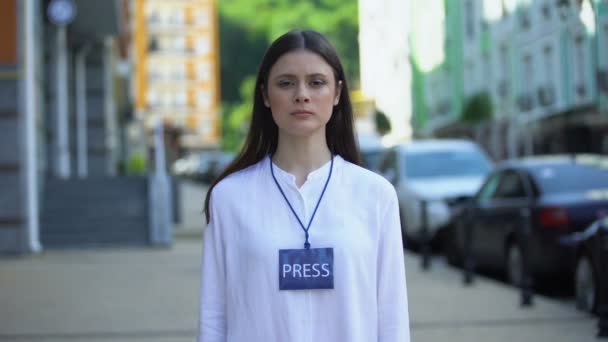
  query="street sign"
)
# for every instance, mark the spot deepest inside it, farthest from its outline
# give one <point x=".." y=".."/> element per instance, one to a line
<point x="61" y="12"/>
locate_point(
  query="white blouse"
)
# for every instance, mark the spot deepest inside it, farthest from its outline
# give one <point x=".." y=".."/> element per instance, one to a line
<point x="358" y="217"/>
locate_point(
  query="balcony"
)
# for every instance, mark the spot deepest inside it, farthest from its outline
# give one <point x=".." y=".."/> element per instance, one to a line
<point x="546" y="95"/>
<point x="503" y="89"/>
<point x="525" y="102"/>
<point x="602" y="81"/>
<point x="581" y="90"/>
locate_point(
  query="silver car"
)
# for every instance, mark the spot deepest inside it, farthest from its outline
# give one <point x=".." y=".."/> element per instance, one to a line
<point x="437" y="172"/>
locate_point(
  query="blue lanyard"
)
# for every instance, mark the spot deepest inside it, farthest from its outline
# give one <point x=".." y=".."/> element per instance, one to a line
<point x="306" y="229"/>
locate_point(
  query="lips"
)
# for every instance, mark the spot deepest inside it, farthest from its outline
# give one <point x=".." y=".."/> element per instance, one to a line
<point x="301" y="113"/>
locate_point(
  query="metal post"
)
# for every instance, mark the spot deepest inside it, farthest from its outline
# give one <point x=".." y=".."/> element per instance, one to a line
<point x="61" y="86"/>
<point x="160" y="194"/>
<point x="469" y="262"/>
<point x="602" y="309"/>
<point x="111" y="129"/>
<point x="30" y="100"/>
<point x="524" y="242"/>
<point x="425" y="248"/>
<point x="81" y="118"/>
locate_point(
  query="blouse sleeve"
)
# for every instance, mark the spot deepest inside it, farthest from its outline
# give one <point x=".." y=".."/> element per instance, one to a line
<point x="393" y="315"/>
<point x="212" y="305"/>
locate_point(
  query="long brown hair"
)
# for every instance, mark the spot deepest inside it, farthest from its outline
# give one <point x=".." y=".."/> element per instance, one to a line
<point x="262" y="138"/>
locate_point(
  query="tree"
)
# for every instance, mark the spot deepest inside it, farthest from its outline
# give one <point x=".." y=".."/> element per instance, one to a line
<point x="477" y="108"/>
<point x="383" y="124"/>
<point x="247" y="27"/>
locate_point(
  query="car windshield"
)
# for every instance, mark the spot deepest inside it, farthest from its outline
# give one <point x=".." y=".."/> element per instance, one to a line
<point x="451" y="163"/>
<point x="570" y="178"/>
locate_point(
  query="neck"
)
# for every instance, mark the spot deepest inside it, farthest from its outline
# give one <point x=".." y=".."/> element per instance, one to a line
<point x="301" y="156"/>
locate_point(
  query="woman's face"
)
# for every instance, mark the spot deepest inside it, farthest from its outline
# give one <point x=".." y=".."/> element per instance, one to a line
<point x="301" y="93"/>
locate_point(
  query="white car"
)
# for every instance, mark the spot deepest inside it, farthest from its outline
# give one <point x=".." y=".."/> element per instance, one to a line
<point x="438" y="172"/>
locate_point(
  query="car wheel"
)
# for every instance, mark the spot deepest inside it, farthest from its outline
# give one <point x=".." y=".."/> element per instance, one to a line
<point x="584" y="285"/>
<point x="514" y="264"/>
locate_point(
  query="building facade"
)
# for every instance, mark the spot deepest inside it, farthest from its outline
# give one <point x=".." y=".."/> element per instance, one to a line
<point x="61" y="107"/>
<point x="177" y="68"/>
<point x="384" y="66"/>
<point x="542" y="63"/>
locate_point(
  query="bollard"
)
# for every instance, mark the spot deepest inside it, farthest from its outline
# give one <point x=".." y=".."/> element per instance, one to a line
<point x="469" y="262"/>
<point x="602" y="253"/>
<point x="425" y="247"/>
<point x="525" y="233"/>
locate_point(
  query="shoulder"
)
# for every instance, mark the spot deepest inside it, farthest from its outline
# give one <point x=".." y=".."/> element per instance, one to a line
<point x="236" y="184"/>
<point x="367" y="183"/>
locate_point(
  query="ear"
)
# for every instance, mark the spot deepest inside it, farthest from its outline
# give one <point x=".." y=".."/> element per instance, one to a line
<point x="338" y="93"/>
<point x="264" y="96"/>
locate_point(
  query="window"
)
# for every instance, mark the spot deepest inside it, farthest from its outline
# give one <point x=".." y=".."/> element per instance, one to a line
<point x="605" y="48"/>
<point x="178" y="72"/>
<point x="388" y="166"/>
<point x="527" y="77"/>
<point x="524" y="18"/>
<point x="469" y="19"/>
<point x="548" y="53"/>
<point x="446" y="163"/>
<point x="510" y="186"/>
<point x="506" y="71"/>
<point x="181" y="98"/>
<point x="487" y="68"/>
<point x="203" y="98"/>
<point x="153" y="44"/>
<point x="488" y="189"/>
<point x="203" y="46"/>
<point x="570" y="177"/>
<point x="203" y="71"/>
<point x="509" y="6"/>
<point x="469" y="84"/>
<point x="166" y="98"/>
<point x="179" y="44"/>
<point x="546" y="11"/>
<point x="579" y="48"/>
<point x="153" y="98"/>
<point x="202" y="18"/>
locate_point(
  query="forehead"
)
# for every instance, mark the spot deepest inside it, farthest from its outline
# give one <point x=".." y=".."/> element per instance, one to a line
<point x="301" y="62"/>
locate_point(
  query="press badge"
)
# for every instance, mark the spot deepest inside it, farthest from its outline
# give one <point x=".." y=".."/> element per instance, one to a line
<point x="306" y="269"/>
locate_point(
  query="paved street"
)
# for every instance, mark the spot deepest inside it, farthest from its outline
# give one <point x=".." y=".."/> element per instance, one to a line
<point x="140" y="294"/>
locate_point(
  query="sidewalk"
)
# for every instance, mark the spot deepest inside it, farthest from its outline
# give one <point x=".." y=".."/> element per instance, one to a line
<point x="443" y="309"/>
<point x="128" y="295"/>
<point x="136" y="295"/>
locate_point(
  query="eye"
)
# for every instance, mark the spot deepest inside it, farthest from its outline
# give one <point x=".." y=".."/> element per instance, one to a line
<point x="317" y="83"/>
<point x="284" y="83"/>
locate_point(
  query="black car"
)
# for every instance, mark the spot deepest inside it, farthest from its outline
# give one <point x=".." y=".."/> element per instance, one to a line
<point x="370" y="157"/>
<point x="537" y="200"/>
<point x="592" y="249"/>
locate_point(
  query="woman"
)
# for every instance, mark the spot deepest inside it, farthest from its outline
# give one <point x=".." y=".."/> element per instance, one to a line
<point x="302" y="244"/>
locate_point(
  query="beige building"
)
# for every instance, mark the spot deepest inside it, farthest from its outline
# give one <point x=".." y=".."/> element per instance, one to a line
<point x="385" y="67"/>
<point x="176" y="66"/>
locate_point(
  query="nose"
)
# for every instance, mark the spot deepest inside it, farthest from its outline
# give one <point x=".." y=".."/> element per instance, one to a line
<point x="301" y="95"/>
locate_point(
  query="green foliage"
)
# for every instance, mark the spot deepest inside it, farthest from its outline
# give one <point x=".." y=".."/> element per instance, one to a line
<point x="383" y="124"/>
<point x="477" y="108"/>
<point x="137" y="164"/>
<point x="247" y="27"/>
<point x="237" y="117"/>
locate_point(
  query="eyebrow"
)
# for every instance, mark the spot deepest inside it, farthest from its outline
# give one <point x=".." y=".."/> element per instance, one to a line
<point x="317" y="74"/>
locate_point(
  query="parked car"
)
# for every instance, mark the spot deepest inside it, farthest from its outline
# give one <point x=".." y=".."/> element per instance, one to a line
<point x="211" y="164"/>
<point x="371" y="151"/>
<point x="589" y="260"/>
<point x="186" y="166"/>
<point x="438" y="172"/>
<point x="560" y="195"/>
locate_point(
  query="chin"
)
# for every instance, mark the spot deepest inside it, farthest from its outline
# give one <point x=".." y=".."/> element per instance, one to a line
<point x="304" y="132"/>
